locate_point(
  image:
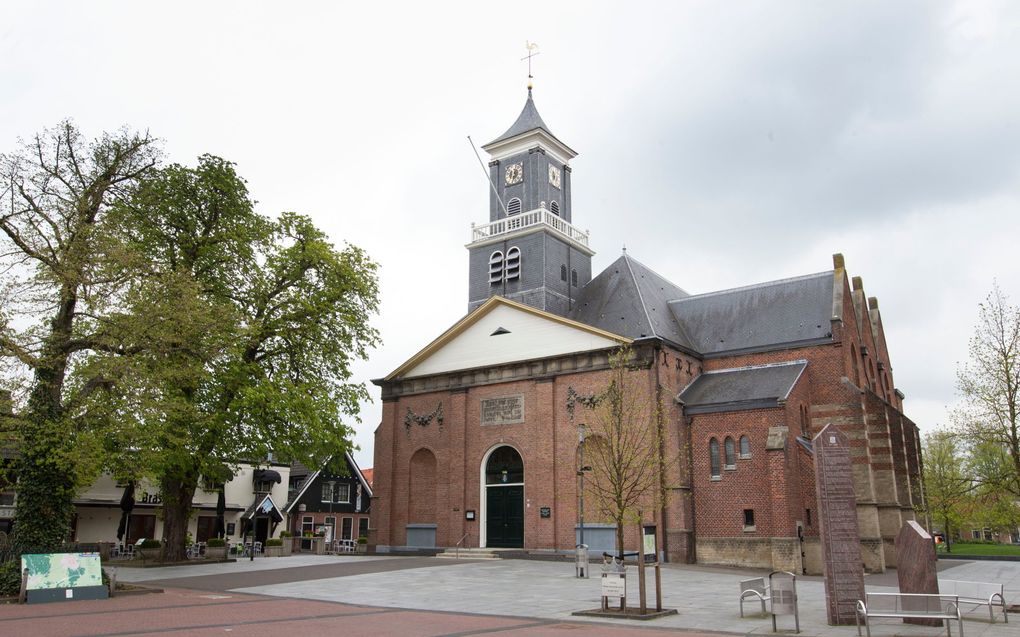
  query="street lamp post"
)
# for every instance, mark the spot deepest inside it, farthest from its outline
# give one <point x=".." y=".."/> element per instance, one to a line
<point x="581" y="429"/>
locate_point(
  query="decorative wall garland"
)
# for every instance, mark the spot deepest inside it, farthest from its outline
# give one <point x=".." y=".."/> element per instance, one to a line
<point x="423" y="421"/>
<point x="589" y="400"/>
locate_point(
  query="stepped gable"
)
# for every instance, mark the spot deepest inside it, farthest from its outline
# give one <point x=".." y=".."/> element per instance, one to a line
<point x="757" y="387"/>
<point x="629" y="299"/>
<point x="783" y="313"/>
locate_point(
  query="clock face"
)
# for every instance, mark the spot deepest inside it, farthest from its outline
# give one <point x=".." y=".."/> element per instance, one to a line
<point x="514" y="174"/>
<point x="554" y="176"/>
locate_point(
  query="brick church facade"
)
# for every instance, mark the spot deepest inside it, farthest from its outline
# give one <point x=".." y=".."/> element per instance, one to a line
<point x="478" y="443"/>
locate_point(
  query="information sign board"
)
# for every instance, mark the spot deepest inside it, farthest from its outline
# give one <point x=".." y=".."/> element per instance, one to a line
<point x="614" y="586"/>
<point x="63" y="576"/>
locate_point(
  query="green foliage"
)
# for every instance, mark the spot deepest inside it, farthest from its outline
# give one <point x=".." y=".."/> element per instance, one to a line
<point x="216" y="542"/>
<point x="242" y="328"/>
<point x="10" y="578"/>
<point x="989" y="383"/>
<point x="150" y="544"/>
<point x="974" y="547"/>
<point x="58" y="190"/>
<point x="362" y="539"/>
<point x="274" y="542"/>
<point x="286" y="534"/>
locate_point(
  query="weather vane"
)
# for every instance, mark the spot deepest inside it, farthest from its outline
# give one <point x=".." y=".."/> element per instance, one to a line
<point x="532" y="52"/>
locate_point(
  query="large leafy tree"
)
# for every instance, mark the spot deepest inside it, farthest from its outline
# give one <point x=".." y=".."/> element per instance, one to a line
<point x="244" y="329"/>
<point x="948" y="486"/>
<point x="56" y="284"/>
<point x="989" y="383"/>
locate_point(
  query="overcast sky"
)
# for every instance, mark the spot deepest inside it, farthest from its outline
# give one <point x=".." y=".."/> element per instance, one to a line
<point x="724" y="143"/>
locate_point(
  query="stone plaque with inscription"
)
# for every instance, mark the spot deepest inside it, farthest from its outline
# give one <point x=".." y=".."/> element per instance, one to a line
<point x="915" y="566"/>
<point x="837" y="517"/>
<point x="503" y="410"/>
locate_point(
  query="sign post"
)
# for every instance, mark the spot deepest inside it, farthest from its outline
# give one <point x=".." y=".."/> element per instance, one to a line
<point x="783" y="590"/>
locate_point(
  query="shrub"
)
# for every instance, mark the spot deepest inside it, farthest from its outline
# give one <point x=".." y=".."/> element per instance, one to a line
<point x="362" y="539"/>
<point x="274" y="542"/>
<point x="286" y="534"/>
<point x="216" y="542"/>
<point x="10" y="578"/>
<point x="150" y="544"/>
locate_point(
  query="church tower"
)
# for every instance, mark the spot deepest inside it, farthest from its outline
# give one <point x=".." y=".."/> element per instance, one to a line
<point x="529" y="251"/>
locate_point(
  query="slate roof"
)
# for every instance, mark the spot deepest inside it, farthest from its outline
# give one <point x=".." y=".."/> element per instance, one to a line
<point x="630" y="299"/>
<point x="788" y="312"/>
<point x="528" y="120"/>
<point x="741" y="388"/>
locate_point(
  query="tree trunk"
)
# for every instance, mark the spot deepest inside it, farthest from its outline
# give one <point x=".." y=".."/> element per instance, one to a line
<point x="177" y="494"/>
<point x="619" y="538"/>
<point x="46" y="483"/>
<point x="949" y="546"/>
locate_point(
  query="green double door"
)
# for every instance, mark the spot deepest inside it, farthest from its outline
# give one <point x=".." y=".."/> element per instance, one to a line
<point x="504" y="516"/>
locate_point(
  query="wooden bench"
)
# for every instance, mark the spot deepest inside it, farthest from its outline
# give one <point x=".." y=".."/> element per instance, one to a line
<point x="908" y="606"/>
<point x="755" y="588"/>
<point x="977" y="593"/>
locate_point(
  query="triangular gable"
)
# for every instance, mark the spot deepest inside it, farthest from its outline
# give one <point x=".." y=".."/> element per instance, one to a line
<point x="265" y="507"/>
<point x="527" y="333"/>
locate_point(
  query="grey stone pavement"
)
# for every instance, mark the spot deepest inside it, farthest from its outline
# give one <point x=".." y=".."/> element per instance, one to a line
<point x="706" y="597"/>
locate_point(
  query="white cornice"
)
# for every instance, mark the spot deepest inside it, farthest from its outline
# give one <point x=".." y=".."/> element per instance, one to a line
<point x="526" y="141"/>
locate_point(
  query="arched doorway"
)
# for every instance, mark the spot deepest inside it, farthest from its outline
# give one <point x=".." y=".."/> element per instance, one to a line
<point x="503" y="481"/>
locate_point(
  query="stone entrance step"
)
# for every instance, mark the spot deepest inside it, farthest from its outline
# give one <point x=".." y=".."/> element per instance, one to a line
<point x="470" y="554"/>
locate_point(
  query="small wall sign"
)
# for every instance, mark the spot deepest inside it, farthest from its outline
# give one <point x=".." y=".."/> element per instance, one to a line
<point x="545" y="512"/>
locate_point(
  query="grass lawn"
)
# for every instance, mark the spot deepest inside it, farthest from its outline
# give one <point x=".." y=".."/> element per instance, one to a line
<point x="963" y="548"/>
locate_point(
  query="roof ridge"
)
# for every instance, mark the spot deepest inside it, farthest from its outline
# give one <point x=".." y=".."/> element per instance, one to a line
<point x="755" y="286"/>
<point x="627" y="256"/>
<point x="641" y="297"/>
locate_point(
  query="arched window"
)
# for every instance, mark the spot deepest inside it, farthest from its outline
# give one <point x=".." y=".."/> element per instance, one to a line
<point x="745" y="447"/>
<point x="496" y="267"/>
<point x="554" y="208"/>
<point x="804" y="428"/>
<point x="504" y="467"/>
<point x="713" y="458"/>
<point x="731" y="453"/>
<point x="513" y="263"/>
<point x="513" y="207"/>
<point x="573" y="278"/>
<point x="563" y="273"/>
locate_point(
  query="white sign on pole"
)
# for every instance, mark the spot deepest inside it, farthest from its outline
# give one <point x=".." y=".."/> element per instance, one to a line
<point x="614" y="586"/>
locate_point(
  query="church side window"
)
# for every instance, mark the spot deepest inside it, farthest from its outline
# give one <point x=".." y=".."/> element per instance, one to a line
<point x="573" y="278"/>
<point x="713" y="458"/>
<point x="554" y="208"/>
<point x="563" y="273"/>
<point x="496" y="267"/>
<point x="513" y="207"/>
<point x="731" y="454"/>
<point x="513" y="263"/>
<point x="745" y="447"/>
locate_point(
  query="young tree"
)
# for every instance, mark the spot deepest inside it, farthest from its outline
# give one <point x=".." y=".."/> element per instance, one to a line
<point x="625" y="446"/>
<point x="990" y="384"/>
<point x="246" y="328"/>
<point x="55" y="194"/>
<point x="947" y="486"/>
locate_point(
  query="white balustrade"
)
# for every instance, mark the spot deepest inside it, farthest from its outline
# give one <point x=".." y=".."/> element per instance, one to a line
<point x="538" y="216"/>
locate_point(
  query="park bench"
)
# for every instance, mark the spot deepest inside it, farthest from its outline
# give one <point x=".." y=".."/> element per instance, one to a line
<point x="756" y="588"/>
<point x="908" y="606"/>
<point x="977" y="593"/>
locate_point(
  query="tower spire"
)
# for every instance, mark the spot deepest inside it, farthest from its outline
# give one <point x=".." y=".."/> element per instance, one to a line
<point x="532" y="49"/>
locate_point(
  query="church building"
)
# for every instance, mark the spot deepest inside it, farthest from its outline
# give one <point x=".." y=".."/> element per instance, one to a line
<point x="479" y="442"/>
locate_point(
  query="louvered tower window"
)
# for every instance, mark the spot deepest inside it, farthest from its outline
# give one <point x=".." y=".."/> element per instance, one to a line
<point x="513" y="207"/>
<point x="513" y="264"/>
<point x="554" y="208"/>
<point x="496" y="267"/>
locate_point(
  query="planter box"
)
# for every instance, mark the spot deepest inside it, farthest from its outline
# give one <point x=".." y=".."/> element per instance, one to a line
<point x="273" y="551"/>
<point x="361" y="548"/>
<point x="216" y="552"/>
<point x="288" y="546"/>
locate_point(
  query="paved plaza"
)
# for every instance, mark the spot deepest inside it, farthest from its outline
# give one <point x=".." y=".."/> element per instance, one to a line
<point x="377" y="595"/>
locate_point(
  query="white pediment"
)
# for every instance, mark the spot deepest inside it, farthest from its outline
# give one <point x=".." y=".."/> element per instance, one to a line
<point x="501" y="332"/>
